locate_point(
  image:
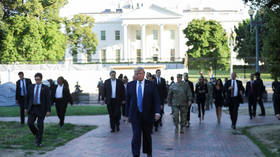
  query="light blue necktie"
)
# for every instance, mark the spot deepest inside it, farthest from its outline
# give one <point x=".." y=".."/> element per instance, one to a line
<point x="139" y="97"/>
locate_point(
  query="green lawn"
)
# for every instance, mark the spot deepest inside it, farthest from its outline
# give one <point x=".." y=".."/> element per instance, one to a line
<point x="71" y="111"/>
<point x="12" y="136"/>
<point x="266" y="137"/>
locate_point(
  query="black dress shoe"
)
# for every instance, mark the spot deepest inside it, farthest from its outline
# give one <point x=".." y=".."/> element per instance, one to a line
<point x="156" y="129"/>
<point x="113" y="130"/>
<point x="136" y="156"/>
<point x="149" y="155"/>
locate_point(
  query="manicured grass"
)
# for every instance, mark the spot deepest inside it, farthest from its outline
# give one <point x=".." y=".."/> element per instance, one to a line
<point x="12" y="136"/>
<point x="266" y="137"/>
<point x="71" y="111"/>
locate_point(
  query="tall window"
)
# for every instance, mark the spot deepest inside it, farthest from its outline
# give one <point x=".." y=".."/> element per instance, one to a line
<point x="89" y="58"/>
<point x="117" y="35"/>
<point x="103" y="35"/>
<point x="172" y="55"/>
<point x="155" y="32"/>
<point x="118" y="55"/>
<point x="172" y="34"/>
<point x="138" y="55"/>
<point x="138" y="34"/>
<point x="103" y="55"/>
<point x="75" y="58"/>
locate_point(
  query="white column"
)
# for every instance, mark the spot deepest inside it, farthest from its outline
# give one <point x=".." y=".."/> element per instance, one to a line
<point x="180" y="49"/>
<point x="161" y="51"/>
<point x="125" y="54"/>
<point x="143" y="42"/>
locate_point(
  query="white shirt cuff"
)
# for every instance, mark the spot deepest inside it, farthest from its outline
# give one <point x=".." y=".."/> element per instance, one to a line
<point x="158" y="114"/>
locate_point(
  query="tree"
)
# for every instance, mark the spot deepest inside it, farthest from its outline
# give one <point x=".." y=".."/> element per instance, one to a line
<point x="80" y="35"/>
<point x="207" y="44"/>
<point x="34" y="31"/>
<point x="246" y="42"/>
<point x="270" y="50"/>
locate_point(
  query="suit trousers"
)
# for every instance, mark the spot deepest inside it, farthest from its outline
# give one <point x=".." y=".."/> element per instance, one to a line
<point x="35" y="113"/>
<point x="260" y="102"/>
<point x="21" y="102"/>
<point x="61" y="107"/>
<point x="189" y="113"/>
<point x="141" y="129"/>
<point x="276" y="103"/>
<point x="252" y="105"/>
<point x="156" y="123"/>
<point x="201" y="106"/>
<point x="233" y="109"/>
<point x="114" y="110"/>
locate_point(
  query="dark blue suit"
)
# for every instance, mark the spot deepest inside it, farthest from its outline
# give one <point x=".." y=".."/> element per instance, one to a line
<point x="142" y="122"/>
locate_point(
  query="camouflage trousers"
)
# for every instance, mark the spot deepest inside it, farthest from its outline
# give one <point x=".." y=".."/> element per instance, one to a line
<point x="180" y="115"/>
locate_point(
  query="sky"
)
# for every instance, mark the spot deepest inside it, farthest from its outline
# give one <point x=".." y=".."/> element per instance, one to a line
<point x="86" y="6"/>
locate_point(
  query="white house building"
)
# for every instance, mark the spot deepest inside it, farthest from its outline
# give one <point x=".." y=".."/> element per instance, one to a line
<point x="142" y="31"/>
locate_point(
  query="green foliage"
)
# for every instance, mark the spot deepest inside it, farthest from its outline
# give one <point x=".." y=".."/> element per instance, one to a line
<point x="207" y="39"/>
<point x="30" y="31"/>
<point x="80" y="35"/>
<point x="246" y="42"/>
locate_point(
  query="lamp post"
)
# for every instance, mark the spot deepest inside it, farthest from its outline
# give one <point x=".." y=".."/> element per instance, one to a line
<point x="255" y="23"/>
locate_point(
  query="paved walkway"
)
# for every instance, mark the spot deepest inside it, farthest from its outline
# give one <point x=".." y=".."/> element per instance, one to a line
<point x="207" y="139"/>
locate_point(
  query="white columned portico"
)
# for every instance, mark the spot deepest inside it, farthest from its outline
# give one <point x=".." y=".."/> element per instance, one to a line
<point x="125" y="54"/>
<point x="143" y="42"/>
<point x="161" y="41"/>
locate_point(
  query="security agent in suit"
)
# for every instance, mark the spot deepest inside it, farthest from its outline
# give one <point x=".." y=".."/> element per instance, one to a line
<point x="38" y="106"/>
<point x="142" y="108"/>
<point x="234" y="90"/>
<point x="186" y="80"/>
<point x="162" y="91"/>
<point x="260" y="90"/>
<point x="61" y="97"/>
<point x="22" y="86"/>
<point x="114" y="96"/>
<point x="251" y="94"/>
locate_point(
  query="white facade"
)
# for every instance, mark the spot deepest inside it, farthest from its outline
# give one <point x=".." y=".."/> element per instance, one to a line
<point x="149" y="32"/>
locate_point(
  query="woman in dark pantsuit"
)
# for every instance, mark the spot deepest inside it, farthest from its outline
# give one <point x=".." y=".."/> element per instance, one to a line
<point x="218" y="95"/>
<point x="200" y="91"/>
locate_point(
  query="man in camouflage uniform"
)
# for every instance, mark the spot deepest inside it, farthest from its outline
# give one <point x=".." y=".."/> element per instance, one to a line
<point x="179" y="98"/>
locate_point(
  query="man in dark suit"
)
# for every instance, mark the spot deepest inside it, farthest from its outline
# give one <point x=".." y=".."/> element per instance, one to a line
<point x="142" y="108"/>
<point x="186" y="80"/>
<point x="114" y="96"/>
<point x="21" y="94"/>
<point x="162" y="91"/>
<point x="260" y="90"/>
<point x="234" y="90"/>
<point x="61" y="97"/>
<point x="38" y="107"/>
<point x="252" y="96"/>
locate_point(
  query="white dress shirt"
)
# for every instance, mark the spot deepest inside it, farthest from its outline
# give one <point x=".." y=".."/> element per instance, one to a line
<point x="114" y="86"/>
<point x="59" y="91"/>
<point x="235" y="88"/>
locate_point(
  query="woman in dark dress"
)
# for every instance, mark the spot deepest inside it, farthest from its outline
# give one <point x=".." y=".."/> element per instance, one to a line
<point x="218" y="95"/>
<point x="200" y="91"/>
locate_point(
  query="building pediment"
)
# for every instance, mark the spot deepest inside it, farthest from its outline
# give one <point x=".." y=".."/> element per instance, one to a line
<point x="151" y="12"/>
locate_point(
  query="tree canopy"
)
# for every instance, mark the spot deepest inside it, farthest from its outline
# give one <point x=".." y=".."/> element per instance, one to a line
<point x="31" y="31"/>
<point x="207" y="44"/>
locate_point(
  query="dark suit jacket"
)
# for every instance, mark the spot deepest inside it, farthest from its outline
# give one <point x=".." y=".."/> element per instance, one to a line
<point x="192" y="88"/>
<point x="260" y="88"/>
<point x="162" y="90"/>
<point x="45" y="99"/>
<point x="107" y="91"/>
<point x="240" y="89"/>
<point x="18" y="89"/>
<point x="151" y="103"/>
<point x="248" y="92"/>
<point x="65" y="93"/>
